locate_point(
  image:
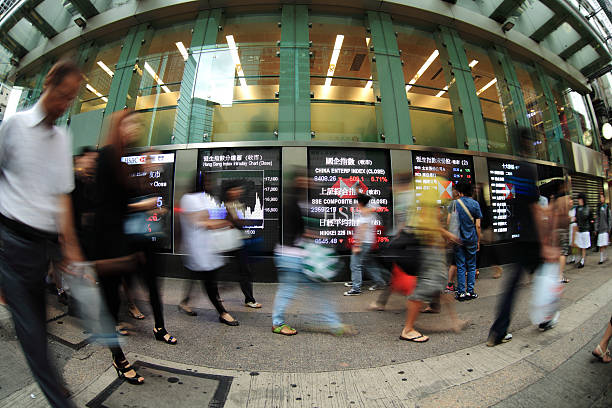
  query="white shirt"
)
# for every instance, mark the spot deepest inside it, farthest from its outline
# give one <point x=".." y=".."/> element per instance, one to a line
<point x="197" y="241"/>
<point x="366" y="223"/>
<point x="35" y="169"/>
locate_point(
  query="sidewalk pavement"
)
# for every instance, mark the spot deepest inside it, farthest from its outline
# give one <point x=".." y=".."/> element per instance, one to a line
<point x="249" y="366"/>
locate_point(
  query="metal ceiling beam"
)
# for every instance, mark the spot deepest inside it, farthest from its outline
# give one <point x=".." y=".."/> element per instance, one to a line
<point x="85" y="7"/>
<point x="575" y="47"/>
<point x="13" y="46"/>
<point x="595" y="66"/>
<point x="505" y="10"/>
<point x="40" y="23"/>
<point x="548" y="27"/>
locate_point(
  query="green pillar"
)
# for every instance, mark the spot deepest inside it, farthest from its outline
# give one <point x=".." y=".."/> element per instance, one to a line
<point x="193" y="121"/>
<point x="392" y="113"/>
<point x="38" y="87"/>
<point x="124" y="69"/>
<point x="514" y="108"/>
<point x="467" y="113"/>
<point x="294" y="82"/>
<point x="552" y="125"/>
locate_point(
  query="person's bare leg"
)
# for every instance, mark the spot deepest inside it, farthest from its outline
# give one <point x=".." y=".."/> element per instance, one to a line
<point x="447" y="301"/>
<point x="413" y="308"/>
<point x="583" y="253"/>
<point x="603" y="344"/>
<point x="452" y="273"/>
<point x="562" y="259"/>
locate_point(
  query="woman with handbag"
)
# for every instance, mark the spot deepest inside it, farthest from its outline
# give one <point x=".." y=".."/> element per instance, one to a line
<point x="113" y="187"/>
<point x="204" y="260"/>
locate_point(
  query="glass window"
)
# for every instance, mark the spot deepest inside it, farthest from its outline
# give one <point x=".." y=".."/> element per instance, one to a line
<point x="156" y="82"/>
<point x="29" y="94"/>
<point x="237" y="82"/>
<point x="564" y="110"/>
<point x="341" y="81"/>
<point x="581" y="115"/>
<point x="98" y="75"/>
<point x="487" y="89"/>
<point x="426" y="88"/>
<point x="534" y="143"/>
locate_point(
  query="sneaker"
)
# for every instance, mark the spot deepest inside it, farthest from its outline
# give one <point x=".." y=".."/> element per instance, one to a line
<point x="352" y="292"/>
<point x="253" y="305"/>
<point x="348" y="284"/>
<point x="581" y="264"/>
<point x="376" y="287"/>
<point x="450" y="287"/>
<point x="461" y="297"/>
<point x="470" y="296"/>
<point x="491" y="342"/>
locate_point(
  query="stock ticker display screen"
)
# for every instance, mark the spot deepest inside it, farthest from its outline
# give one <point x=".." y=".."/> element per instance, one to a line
<point x="258" y="171"/>
<point x="337" y="176"/>
<point x="440" y="172"/>
<point x="156" y="170"/>
<point x="509" y="180"/>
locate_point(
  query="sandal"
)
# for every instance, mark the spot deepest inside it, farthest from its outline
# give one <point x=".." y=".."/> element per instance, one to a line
<point x="186" y="309"/>
<point x="345" y="330"/>
<point x="160" y="335"/>
<point x="122" y="329"/>
<point x="415" y="339"/>
<point x="135" y="312"/>
<point x="284" y="329"/>
<point x="601" y="356"/>
<point x="124" y="368"/>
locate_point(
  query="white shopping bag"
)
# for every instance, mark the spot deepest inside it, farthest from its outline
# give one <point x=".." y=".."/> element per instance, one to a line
<point x="546" y="293"/>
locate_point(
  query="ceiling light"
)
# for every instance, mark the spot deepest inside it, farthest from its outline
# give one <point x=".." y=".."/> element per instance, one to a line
<point x="236" y="58"/>
<point x="422" y="70"/>
<point x="442" y="91"/>
<point x="368" y="84"/>
<point x="487" y="86"/>
<point x="106" y="69"/>
<point x="367" y="41"/>
<point x="182" y="50"/>
<point x="473" y="63"/>
<point x="509" y="25"/>
<point x="151" y="72"/>
<point x="80" y="21"/>
<point x="334" y="60"/>
<point x="606" y="130"/>
<point x="95" y="92"/>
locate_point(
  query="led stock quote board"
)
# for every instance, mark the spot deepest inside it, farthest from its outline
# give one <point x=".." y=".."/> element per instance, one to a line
<point x="337" y="176"/>
<point x="156" y="171"/>
<point x="257" y="170"/>
<point x="509" y="181"/>
<point x="440" y="172"/>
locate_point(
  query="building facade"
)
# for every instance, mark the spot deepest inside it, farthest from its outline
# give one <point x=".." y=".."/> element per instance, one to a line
<point x="489" y="80"/>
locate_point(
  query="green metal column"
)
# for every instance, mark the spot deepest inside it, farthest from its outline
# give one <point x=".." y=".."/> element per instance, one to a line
<point x="85" y="61"/>
<point x="467" y="113"/>
<point x="40" y="82"/>
<point x="294" y="82"/>
<point x="552" y="125"/>
<point x="124" y="69"/>
<point x="193" y="121"/>
<point x="393" y="111"/>
<point x="513" y="102"/>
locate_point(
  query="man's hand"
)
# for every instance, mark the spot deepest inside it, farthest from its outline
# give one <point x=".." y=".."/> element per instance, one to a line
<point x="356" y="249"/>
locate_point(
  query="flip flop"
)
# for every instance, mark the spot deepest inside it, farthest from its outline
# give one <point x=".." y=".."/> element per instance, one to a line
<point x="279" y="330"/>
<point x="601" y="354"/>
<point x="415" y="339"/>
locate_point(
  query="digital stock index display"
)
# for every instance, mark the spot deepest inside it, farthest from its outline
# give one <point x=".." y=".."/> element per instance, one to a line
<point x="440" y="172"/>
<point x="337" y="176"/>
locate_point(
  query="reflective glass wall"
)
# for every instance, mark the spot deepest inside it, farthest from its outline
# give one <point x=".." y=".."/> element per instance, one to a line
<point x="341" y="81"/>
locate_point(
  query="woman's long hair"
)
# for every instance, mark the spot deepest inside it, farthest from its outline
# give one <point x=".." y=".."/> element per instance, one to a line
<point x="113" y="139"/>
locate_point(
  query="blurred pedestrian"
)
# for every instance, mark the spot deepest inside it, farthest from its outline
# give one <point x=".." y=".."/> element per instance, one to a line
<point x="563" y="205"/>
<point x="526" y="253"/>
<point x="203" y="262"/>
<point x="603" y="224"/>
<point x="36" y="178"/>
<point x="235" y="210"/>
<point x="430" y="234"/>
<point x="469" y="233"/>
<point x="361" y="256"/>
<point x="291" y="258"/>
<point x="583" y="219"/>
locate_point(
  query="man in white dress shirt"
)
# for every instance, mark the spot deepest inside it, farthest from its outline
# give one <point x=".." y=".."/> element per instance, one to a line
<point x="36" y="179"/>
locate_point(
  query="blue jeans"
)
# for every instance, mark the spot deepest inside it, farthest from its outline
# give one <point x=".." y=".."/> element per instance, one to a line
<point x="291" y="278"/>
<point x="361" y="259"/>
<point x="466" y="261"/>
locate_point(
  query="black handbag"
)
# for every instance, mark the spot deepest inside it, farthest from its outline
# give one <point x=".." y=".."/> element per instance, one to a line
<point x="404" y="250"/>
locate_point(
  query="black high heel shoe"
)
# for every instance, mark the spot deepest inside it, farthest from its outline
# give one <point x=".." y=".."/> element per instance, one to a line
<point x="160" y="335"/>
<point x="229" y="323"/>
<point x="124" y="368"/>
